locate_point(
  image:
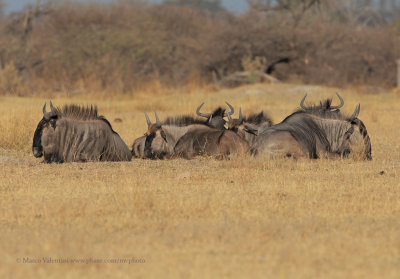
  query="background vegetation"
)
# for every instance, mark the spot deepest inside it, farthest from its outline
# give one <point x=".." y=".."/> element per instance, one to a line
<point x="122" y="47"/>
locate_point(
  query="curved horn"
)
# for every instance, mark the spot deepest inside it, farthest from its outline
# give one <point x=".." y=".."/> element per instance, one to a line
<point x="302" y="102"/>
<point x="147" y="119"/>
<point x="355" y="113"/>
<point x="44" y="109"/>
<point x="206" y="115"/>
<point x="229" y="116"/>
<point x="52" y="108"/>
<point x="157" y="119"/>
<point x="341" y="102"/>
<point x="240" y="116"/>
<point x="231" y="108"/>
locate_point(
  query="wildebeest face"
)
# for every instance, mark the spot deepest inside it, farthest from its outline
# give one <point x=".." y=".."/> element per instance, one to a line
<point x="234" y="124"/>
<point x="240" y="127"/>
<point x="48" y="122"/>
<point x="356" y="140"/>
<point x="156" y="139"/>
<point x="359" y="140"/>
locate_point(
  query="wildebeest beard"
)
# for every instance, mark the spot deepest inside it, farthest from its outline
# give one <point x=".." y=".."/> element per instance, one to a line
<point x="37" y="148"/>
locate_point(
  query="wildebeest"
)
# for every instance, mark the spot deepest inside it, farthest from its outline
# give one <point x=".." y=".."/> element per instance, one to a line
<point x="249" y="127"/>
<point x="314" y="132"/>
<point x="138" y="147"/>
<point x="77" y="134"/>
<point x="213" y="120"/>
<point x="167" y="141"/>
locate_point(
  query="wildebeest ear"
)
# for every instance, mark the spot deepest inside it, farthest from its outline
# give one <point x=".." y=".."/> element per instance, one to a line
<point x="163" y="135"/>
<point x="44" y="109"/>
<point x="355" y="113"/>
<point x="251" y="130"/>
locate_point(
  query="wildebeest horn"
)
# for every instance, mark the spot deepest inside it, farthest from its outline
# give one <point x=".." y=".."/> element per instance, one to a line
<point x="302" y="102"/>
<point x="206" y="115"/>
<point x="52" y="108"/>
<point x="44" y="109"/>
<point x="240" y="116"/>
<point x="157" y="119"/>
<point x="341" y="102"/>
<point x="229" y="116"/>
<point x="355" y="113"/>
<point x="231" y="108"/>
<point x="147" y="119"/>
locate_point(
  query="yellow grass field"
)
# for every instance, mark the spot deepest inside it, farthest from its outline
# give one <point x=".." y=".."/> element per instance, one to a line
<point x="203" y="218"/>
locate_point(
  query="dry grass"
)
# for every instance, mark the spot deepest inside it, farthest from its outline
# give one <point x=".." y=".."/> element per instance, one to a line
<point x="242" y="218"/>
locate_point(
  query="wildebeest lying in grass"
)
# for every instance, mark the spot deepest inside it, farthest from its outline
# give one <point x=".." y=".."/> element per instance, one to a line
<point x="314" y="132"/>
<point x="188" y="141"/>
<point x="213" y="120"/>
<point x="77" y="134"/>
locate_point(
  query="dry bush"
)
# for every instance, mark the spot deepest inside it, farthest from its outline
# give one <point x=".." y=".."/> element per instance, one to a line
<point x="75" y="47"/>
<point x="10" y="80"/>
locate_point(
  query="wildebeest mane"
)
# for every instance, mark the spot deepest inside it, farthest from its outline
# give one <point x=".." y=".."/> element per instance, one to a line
<point x="323" y="110"/>
<point x="183" y="120"/>
<point x="76" y="112"/>
<point x="218" y="112"/>
<point x="257" y="119"/>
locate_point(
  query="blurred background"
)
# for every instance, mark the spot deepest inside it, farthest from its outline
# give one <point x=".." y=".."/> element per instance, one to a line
<point x="125" y="46"/>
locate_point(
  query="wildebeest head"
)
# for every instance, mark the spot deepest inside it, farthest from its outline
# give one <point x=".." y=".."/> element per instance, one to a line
<point x="237" y="125"/>
<point x="356" y="139"/>
<point x="48" y="122"/>
<point x="154" y="147"/>
<point x="249" y="124"/>
<point x="216" y="118"/>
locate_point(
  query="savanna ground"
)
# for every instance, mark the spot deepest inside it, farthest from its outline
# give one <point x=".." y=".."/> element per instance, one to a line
<point x="244" y="217"/>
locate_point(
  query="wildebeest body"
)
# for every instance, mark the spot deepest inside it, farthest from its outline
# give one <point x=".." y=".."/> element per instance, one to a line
<point x="138" y="147"/>
<point x="210" y="142"/>
<point x="315" y="132"/>
<point x="77" y="134"/>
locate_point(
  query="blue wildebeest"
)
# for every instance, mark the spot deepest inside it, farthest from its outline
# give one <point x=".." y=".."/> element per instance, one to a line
<point x="314" y="132"/>
<point x="77" y="134"/>
<point x="168" y="141"/>
<point x="213" y="120"/>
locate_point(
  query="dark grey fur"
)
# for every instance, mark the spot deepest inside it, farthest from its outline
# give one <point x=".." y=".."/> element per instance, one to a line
<point x="77" y="134"/>
<point x="316" y="131"/>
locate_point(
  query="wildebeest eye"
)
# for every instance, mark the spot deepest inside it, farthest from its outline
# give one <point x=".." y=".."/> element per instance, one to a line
<point x="53" y="123"/>
<point x="349" y="133"/>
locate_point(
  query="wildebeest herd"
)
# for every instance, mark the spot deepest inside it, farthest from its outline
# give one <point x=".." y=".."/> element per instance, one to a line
<point x="79" y="134"/>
